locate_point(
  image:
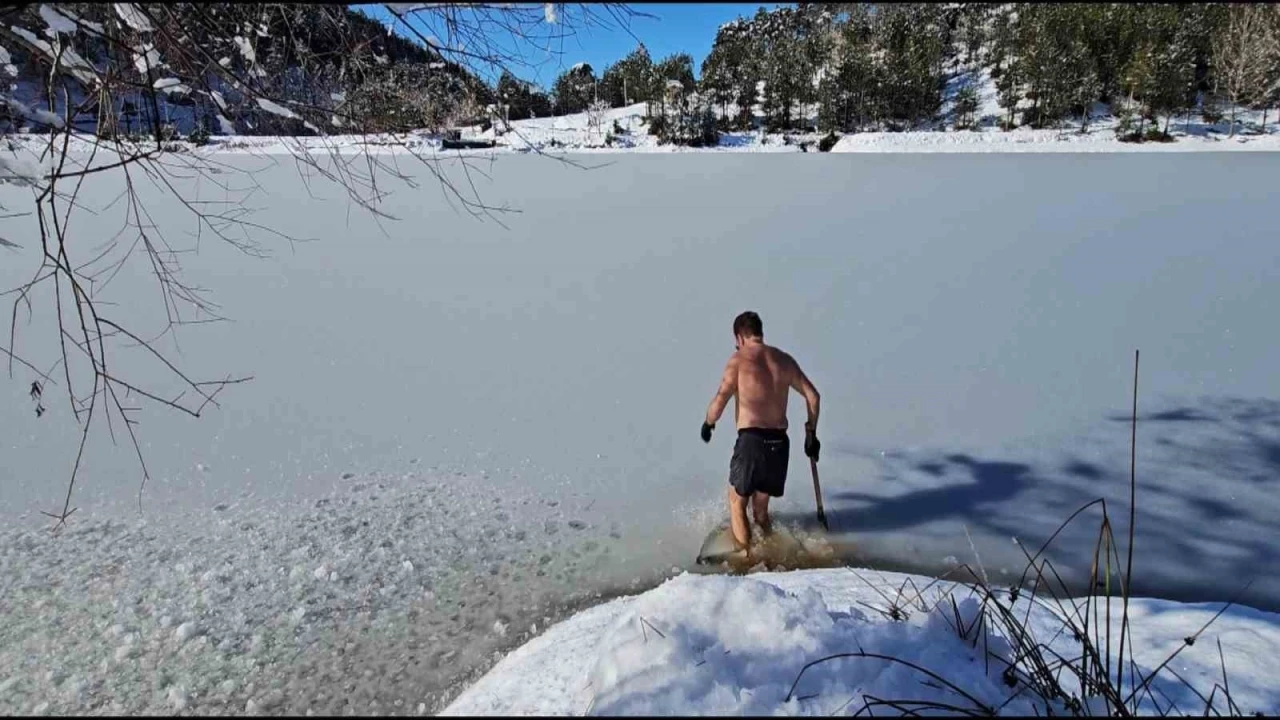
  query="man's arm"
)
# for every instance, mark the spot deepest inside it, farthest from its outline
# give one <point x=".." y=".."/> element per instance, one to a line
<point x="812" y="400"/>
<point x="728" y="387"/>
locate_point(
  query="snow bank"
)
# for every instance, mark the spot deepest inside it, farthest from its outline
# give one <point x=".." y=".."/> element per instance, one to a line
<point x="1039" y="141"/>
<point x="737" y="645"/>
<point x="721" y="645"/>
<point x="626" y="130"/>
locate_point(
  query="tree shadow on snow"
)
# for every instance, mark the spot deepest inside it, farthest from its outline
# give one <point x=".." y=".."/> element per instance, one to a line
<point x="1206" y="503"/>
<point x="988" y="483"/>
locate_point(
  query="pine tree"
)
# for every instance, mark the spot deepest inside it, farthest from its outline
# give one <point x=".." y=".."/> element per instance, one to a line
<point x="716" y="80"/>
<point x="971" y="33"/>
<point x="630" y="80"/>
<point x="731" y="70"/>
<point x="611" y="88"/>
<point x="860" y="71"/>
<point x="911" y="38"/>
<point x="1035" y="53"/>
<point x="966" y="106"/>
<point x="1073" y="77"/>
<point x="1173" y="67"/>
<point x="574" y="89"/>
<point x="780" y="63"/>
<point x="1006" y="68"/>
<point x="673" y="77"/>
<point x="817" y="29"/>
<point x="1083" y="85"/>
<point x="1111" y="35"/>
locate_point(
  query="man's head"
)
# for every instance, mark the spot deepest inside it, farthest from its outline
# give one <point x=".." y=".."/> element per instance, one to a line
<point x="747" y="326"/>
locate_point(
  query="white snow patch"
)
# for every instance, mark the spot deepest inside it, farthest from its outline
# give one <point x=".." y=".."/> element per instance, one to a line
<point x="225" y="125"/>
<point x="177" y="697"/>
<point x="40" y="115"/>
<point x="716" y="645"/>
<point x="57" y="21"/>
<point x="246" y="48"/>
<point x="66" y="57"/>
<point x="174" y="85"/>
<point x="146" y="57"/>
<point x="124" y="652"/>
<point x="21" y="170"/>
<point x="133" y="16"/>
<point x="413" y="7"/>
<point x="185" y="632"/>
<point x="275" y="109"/>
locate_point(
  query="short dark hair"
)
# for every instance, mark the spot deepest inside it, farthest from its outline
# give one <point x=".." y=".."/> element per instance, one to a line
<point x="748" y="325"/>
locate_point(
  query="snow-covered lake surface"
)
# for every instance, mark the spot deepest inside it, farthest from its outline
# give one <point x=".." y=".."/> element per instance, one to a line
<point x="535" y="391"/>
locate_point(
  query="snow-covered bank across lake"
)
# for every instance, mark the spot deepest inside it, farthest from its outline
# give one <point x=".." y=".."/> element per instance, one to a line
<point x="710" y="645"/>
<point x="574" y="134"/>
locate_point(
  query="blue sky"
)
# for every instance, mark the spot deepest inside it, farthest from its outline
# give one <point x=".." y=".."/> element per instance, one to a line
<point x="675" y="27"/>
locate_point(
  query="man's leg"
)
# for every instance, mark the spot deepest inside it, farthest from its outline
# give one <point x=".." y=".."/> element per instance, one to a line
<point x="760" y="509"/>
<point x="738" y="519"/>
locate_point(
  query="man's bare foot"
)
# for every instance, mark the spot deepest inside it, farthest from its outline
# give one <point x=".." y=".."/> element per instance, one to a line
<point x="741" y="553"/>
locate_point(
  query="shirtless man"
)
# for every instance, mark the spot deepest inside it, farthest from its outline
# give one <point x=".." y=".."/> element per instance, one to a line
<point x="759" y="377"/>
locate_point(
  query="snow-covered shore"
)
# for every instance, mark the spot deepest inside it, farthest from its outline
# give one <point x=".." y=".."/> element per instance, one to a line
<point x="576" y="134"/>
<point x="704" y="645"/>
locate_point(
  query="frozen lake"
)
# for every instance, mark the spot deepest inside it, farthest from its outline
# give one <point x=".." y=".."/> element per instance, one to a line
<point x="969" y="319"/>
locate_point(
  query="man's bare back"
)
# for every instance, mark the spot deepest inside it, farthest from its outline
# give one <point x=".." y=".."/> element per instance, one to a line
<point x="762" y="377"/>
<point x="759" y="378"/>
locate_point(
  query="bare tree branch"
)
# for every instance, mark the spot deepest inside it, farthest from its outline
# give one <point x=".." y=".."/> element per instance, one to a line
<point x="120" y="83"/>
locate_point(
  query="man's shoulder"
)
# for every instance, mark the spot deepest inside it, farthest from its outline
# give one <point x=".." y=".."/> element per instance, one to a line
<point x="781" y="354"/>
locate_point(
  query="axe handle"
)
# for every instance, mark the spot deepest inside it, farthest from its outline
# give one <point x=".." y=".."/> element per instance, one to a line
<point x="817" y="493"/>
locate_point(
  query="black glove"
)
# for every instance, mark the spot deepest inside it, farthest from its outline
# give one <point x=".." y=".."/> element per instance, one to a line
<point x="706" y="431"/>
<point x="811" y="444"/>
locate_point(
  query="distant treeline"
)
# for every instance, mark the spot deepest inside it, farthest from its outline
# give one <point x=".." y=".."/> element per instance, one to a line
<point x="852" y="67"/>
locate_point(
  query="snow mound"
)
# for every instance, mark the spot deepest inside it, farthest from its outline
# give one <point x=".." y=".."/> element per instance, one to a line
<point x="721" y="645"/>
<point x="800" y="643"/>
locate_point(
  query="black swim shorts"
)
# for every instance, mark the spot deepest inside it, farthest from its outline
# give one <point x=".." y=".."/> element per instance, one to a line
<point x="759" y="462"/>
